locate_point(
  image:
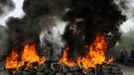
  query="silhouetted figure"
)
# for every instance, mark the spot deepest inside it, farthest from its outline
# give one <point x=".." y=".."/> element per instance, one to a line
<point x="124" y="56"/>
<point x="132" y="53"/>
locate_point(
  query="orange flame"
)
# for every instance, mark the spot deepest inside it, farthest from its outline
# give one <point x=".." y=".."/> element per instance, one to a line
<point x="66" y="60"/>
<point x="95" y="55"/>
<point x="29" y="55"/>
<point x="110" y="60"/>
<point x="12" y="61"/>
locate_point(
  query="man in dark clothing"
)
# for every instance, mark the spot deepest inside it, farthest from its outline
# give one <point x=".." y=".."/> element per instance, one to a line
<point x="124" y="56"/>
<point x="132" y="53"/>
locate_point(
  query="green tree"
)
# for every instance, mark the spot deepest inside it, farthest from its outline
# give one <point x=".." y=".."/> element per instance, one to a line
<point x="127" y="40"/>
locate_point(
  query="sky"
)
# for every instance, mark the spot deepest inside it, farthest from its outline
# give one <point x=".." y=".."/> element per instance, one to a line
<point x="18" y="12"/>
<point x="126" y="26"/>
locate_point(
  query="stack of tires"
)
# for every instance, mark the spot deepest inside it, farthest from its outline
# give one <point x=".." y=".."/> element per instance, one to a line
<point x="110" y="69"/>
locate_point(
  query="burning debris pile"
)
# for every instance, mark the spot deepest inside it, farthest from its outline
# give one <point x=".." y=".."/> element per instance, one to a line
<point x="55" y="68"/>
<point x="94" y="56"/>
<point x="29" y="55"/>
<point x="92" y="29"/>
<point x="31" y="63"/>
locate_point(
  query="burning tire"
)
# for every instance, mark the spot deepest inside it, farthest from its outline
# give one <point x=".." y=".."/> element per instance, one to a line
<point x="55" y="68"/>
<point x="111" y="70"/>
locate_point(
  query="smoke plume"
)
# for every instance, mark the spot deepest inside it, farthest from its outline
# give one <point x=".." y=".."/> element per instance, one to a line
<point x="39" y="16"/>
<point x="88" y="17"/>
<point x="5" y="6"/>
<point x="85" y="18"/>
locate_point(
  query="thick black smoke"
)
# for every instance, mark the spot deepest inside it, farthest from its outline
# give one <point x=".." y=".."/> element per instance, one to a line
<point x="35" y="8"/>
<point x="39" y="15"/>
<point x="88" y="17"/>
<point x="85" y="17"/>
<point x="6" y="5"/>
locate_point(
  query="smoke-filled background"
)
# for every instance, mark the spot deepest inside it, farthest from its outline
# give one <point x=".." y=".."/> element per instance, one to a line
<point x="40" y="16"/>
<point x="89" y="17"/>
<point x="82" y="20"/>
<point x="6" y="6"/>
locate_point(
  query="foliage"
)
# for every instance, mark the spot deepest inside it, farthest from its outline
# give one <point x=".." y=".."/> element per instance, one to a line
<point x="127" y="40"/>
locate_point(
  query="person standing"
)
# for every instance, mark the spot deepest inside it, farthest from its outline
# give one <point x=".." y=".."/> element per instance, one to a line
<point x="132" y="53"/>
<point x="124" y="56"/>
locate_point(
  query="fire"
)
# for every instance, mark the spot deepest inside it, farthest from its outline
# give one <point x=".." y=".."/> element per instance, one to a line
<point x="69" y="62"/>
<point x="110" y="60"/>
<point x="12" y="61"/>
<point x="95" y="55"/>
<point x="29" y="55"/>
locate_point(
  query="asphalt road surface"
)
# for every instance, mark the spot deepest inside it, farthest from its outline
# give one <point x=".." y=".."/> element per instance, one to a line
<point x="127" y="70"/>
